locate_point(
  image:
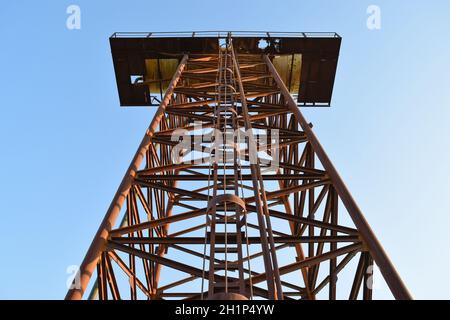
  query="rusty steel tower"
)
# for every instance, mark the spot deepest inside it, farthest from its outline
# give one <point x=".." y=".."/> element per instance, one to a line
<point x="230" y="195"/>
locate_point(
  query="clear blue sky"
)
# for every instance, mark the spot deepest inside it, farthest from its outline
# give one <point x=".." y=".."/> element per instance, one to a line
<point x="65" y="142"/>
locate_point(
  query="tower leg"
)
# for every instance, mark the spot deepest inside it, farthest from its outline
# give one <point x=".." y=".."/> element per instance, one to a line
<point x="98" y="244"/>
<point x="387" y="269"/>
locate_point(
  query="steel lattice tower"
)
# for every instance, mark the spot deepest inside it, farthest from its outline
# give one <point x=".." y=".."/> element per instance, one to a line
<point x="230" y="194"/>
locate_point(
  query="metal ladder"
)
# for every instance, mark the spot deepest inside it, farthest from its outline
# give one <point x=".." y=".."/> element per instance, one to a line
<point x="226" y="209"/>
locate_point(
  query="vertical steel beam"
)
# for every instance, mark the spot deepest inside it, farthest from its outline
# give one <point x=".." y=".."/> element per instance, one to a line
<point x="368" y="277"/>
<point x="270" y="258"/>
<point x="333" y="246"/>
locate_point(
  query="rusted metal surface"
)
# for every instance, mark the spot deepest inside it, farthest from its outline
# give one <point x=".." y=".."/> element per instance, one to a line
<point x="99" y="243"/>
<point x="391" y="276"/>
<point x="229" y="225"/>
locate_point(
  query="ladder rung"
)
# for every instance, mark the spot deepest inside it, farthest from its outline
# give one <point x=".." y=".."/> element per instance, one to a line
<point x="229" y="266"/>
<point x="230" y="220"/>
<point x="231" y="284"/>
<point x="229" y="234"/>
<point x="221" y="217"/>
<point x="227" y="249"/>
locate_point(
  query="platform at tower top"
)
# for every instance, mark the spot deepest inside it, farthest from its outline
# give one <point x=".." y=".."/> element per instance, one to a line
<point x="306" y="61"/>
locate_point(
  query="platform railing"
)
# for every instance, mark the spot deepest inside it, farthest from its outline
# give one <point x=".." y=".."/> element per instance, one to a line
<point x="224" y="34"/>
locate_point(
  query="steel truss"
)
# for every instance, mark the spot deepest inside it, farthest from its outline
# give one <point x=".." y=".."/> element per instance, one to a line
<point x="241" y="230"/>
